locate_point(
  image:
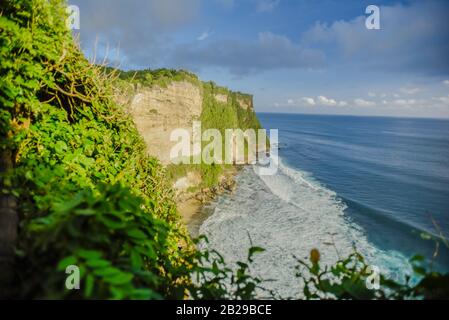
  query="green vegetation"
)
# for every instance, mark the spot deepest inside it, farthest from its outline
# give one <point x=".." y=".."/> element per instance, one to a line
<point x="348" y="278"/>
<point x="222" y="116"/>
<point x="88" y="195"/>
<point x="158" y="77"/>
<point x="218" y="115"/>
<point x="87" y="192"/>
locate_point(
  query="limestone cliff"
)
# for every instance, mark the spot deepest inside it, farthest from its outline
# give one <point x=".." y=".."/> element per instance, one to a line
<point x="161" y="102"/>
<point x="158" y="111"/>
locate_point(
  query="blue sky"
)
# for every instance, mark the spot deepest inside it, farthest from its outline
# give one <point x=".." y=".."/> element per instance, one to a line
<point x="303" y="56"/>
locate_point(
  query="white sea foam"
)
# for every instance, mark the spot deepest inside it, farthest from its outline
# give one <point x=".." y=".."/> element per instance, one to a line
<point x="287" y="214"/>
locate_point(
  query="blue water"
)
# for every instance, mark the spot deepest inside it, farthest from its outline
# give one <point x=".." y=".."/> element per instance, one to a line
<point x="392" y="173"/>
<point x="374" y="184"/>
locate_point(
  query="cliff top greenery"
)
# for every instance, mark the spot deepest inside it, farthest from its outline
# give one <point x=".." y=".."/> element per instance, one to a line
<point x="162" y="77"/>
<point x="158" y="77"/>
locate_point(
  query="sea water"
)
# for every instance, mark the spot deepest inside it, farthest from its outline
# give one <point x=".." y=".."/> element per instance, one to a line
<point x="369" y="183"/>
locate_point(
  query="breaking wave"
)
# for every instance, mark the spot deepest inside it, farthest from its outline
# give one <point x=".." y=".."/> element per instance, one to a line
<point x="288" y="214"/>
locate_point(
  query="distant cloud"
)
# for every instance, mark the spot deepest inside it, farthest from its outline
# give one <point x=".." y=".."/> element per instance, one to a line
<point x="143" y="39"/>
<point x="446" y="82"/>
<point x="309" y="101"/>
<point x="319" y="101"/>
<point x="444" y="100"/>
<point x="268" y="52"/>
<point x="364" y="103"/>
<point x="204" y="36"/>
<point x="322" y="100"/>
<point x="404" y="102"/>
<point x="408" y="90"/>
<point x="414" y="39"/>
<point x="266" y="5"/>
<point x="376" y="105"/>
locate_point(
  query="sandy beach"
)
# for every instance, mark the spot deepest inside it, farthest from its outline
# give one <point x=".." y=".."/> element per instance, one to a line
<point x="188" y="209"/>
<point x="194" y="211"/>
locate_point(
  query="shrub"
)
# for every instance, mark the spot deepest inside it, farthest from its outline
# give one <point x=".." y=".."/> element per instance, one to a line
<point x="86" y="190"/>
<point x="348" y="277"/>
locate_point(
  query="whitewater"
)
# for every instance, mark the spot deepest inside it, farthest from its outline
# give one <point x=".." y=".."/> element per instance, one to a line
<point x="288" y="214"/>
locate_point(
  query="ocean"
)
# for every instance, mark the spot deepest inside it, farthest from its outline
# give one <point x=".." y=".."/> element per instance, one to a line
<point x="375" y="184"/>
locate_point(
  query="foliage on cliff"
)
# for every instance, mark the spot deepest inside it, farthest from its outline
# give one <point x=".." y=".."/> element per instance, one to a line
<point x="353" y="278"/>
<point x="158" y="77"/>
<point x="224" y="115"/>
<point x="88" y="194"/>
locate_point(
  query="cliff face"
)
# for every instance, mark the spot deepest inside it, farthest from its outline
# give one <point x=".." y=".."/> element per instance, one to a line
<point x="161" y="101"/>
<point x="158" y="111"/>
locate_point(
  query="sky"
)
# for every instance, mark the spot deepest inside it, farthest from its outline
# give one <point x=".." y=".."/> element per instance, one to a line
<point x="295" y="56"/>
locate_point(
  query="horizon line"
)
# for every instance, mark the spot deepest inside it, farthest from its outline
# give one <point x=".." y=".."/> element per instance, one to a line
<point x="356" y="115"/>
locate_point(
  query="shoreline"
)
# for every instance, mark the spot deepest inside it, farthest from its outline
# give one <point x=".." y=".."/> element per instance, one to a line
<point x="195" y="207"/>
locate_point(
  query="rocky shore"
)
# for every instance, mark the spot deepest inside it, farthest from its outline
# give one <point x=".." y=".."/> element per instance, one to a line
<point x="195" y="207"/>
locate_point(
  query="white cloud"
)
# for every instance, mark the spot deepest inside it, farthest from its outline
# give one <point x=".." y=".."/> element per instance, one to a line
<point x="410" y="90"/>
<point x="322" y="100"/>
<point x="371" y="94"/>
<point x="446" y="82"/>
<point x="242" y="57"/>
<point x="309" y="101"/>
<point x="444" y="100"/>
<point x="144" y="39"/>
<point x="404" y="102"/>
<point x="204" y="36"/>
<point x="364" y="103"/>
<point x="401" y="45"/>
<point x="397" y="105"/>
